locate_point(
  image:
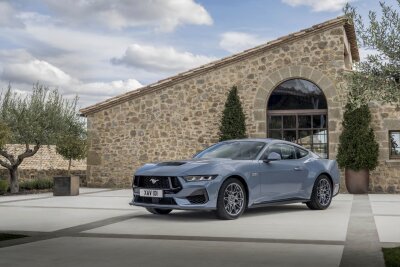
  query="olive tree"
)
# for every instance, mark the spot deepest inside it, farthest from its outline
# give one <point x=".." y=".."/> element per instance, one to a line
<point x="377" y="77"/>
<point x="34" y="120"/>
<point x="72" y="145"/>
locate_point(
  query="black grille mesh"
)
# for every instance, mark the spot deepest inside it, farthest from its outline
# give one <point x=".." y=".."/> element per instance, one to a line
<point x="155" y="200"/>
<point x="157" y="182"/>
<point x="198" y="199"/>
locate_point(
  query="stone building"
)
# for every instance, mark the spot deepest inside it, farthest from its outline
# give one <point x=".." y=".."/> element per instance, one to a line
<point x="291" y="88"/>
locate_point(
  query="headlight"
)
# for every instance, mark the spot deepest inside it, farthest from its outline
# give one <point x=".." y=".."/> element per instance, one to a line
<point x="196" y="178"/>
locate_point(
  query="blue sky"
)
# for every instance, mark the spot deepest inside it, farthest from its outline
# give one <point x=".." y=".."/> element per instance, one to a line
<point x="99" y="49"/>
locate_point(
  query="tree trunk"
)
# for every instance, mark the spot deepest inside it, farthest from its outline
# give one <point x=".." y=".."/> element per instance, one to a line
<point x="69" y="166"/>
<point x="14" y="175"/>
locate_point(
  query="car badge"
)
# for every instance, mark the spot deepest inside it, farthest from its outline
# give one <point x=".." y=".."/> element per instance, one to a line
<point x="154" y="180"/>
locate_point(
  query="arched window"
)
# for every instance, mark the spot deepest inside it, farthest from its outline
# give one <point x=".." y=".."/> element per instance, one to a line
<point x="297" y="112"/>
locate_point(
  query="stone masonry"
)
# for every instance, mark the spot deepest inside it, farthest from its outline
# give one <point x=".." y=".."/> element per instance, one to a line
<point x="178" y="116"/>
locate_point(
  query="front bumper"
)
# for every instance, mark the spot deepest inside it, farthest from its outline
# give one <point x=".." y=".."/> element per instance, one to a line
<point x="192" y="196"/>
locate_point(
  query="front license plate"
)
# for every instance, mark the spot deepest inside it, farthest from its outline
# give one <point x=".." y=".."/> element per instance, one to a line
<point x="150" y="193"/>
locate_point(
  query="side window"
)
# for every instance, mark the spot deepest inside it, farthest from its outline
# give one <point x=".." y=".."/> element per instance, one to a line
<point x="288" y="152"/>
<point x="274" y="148"/>
<point x="301" y="153"/>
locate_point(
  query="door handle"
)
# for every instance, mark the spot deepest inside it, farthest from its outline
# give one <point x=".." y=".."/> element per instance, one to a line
<point x="298" y="168"/>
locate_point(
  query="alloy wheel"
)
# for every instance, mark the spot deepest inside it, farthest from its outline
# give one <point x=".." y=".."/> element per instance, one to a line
<point x="324" y="192"/>
<point x="233" y="199"/>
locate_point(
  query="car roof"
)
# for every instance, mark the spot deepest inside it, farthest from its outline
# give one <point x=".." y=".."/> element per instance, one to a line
<point x="266" y="140"/>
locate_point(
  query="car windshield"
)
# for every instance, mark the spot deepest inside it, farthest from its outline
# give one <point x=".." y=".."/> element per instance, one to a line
<point x="237" y="150"/>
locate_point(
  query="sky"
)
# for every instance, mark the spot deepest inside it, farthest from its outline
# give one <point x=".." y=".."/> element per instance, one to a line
<point x="98" y="49"/>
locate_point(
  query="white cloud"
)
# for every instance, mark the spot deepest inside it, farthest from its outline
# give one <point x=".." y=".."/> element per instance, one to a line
<point x="22" y="70"/>
<point x="160" y="58"/>
<point x="35" y="70"/>
<point x="238" y="41"/>
<point x="9" y="16"/>
<point x="119" y="14"/>
<point x="319" y="5"/>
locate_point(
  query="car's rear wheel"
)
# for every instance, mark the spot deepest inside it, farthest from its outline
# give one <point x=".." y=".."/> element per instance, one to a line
<point x="231" y="201"/>
<point x="321" y="195"/>
<point x="159" y="211"/>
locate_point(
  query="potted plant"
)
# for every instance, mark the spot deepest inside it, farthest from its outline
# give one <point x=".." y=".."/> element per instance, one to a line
<point x="358" y="149"/>
<point x="71" y="146"/>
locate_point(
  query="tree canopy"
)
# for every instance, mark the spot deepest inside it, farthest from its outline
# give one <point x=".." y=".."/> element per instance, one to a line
<point x="72" y="145"/>
<point x="377" y="77"/>
<point x="36" y="119"/>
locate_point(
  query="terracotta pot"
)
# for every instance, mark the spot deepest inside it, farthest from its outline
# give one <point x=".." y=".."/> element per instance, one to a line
<point x="357" y="182"/>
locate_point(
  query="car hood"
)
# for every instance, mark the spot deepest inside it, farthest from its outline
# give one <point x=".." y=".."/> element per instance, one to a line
<point x="181" y="167"/>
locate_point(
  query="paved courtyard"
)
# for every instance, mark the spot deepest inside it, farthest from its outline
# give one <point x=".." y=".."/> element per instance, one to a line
<point x="99" y="228"/>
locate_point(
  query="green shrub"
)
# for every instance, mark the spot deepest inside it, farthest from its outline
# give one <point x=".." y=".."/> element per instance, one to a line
<point x="358" y="148"/>
<point x="233" y="121"/>
<point x="3" y="187"/>
<point x="392" y="256"/>
<point x="37" y="184"/>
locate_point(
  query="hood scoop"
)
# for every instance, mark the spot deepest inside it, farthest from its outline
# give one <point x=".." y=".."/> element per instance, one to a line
<point x="171" y="163"/>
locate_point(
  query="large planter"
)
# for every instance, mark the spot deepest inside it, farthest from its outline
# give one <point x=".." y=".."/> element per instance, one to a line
<point x="66" y="186"/>
<point x="357" y="182"/>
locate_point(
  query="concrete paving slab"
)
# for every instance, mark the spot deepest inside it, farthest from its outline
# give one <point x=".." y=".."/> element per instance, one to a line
<point x="384" y="197"/>
<point x="280" y="222"/>
<point x="86" y="190"/>
<point x="98" y="252"/>
<point x="22" y="197"/>
<point x="388" y="228"/>
<point x="386" y="208"/>
<point x="77" y="202"/>
<point x="47" y="220"/>
<point x="113" y="193"/>
<point x="345" y="197"/>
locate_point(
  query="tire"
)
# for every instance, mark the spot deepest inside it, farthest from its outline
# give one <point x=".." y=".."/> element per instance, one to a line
<point x="159" y="211"/>
<point x="321" y="195"/>
<point x="232" y="191"/>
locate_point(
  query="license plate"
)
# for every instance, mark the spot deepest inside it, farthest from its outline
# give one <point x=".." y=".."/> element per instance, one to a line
<point x="151" y="193"/>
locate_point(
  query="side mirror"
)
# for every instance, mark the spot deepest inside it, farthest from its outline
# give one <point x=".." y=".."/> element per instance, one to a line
<point x="273" y="156"/>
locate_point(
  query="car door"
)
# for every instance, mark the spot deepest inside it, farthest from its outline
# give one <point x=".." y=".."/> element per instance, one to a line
<point x="282" y="179"/>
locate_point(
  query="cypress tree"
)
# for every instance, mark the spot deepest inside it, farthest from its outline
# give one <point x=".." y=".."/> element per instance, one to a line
<point x="358" y="148"/>
<point x="233" y="121"/>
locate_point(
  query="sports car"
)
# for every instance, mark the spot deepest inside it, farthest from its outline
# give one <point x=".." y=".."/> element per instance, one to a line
<point x="232" y="176"/>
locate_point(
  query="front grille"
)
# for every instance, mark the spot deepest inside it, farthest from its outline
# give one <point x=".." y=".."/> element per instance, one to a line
<point x="157" y="182"/>
<point x="198" y="199"/>
<point x="155" y="200"/>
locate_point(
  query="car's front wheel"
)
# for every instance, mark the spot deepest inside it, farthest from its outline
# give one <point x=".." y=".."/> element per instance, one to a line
<point x="231" y="201"/>
<point x="321" y="195"/>
<point x="159" y="211"/>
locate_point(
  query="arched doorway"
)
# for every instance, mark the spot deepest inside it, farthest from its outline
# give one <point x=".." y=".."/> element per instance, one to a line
<point x="297" y="112"/>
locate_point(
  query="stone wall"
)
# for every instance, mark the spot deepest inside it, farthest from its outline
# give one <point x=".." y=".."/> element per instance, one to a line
<point x="177" y="121"/>
<point x="386" y="177"/>
<point x="46" y="163"/>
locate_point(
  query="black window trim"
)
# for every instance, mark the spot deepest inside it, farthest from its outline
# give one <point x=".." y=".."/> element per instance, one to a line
<point x="390" y="145"/>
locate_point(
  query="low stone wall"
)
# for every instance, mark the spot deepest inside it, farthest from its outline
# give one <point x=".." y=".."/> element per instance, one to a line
<point x="27" y="174"/>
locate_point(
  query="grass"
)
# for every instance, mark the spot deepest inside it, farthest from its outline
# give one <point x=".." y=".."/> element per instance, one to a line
<point x="4" y="237"/>
<point x="392" y="256"/>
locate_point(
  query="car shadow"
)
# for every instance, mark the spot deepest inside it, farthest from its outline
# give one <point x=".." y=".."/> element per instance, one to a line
<point x="196" y="216"/>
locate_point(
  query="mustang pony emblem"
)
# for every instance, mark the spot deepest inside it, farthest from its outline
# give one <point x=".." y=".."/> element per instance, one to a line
<point x="154" y="180"/>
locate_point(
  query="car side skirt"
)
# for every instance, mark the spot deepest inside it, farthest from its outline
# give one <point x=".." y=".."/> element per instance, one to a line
<point x="278" y="202"/>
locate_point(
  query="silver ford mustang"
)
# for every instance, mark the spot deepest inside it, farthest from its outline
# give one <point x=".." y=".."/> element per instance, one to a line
<point x="231" y="176"/>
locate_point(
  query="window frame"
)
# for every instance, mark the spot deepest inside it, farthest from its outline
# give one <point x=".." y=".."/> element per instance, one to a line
<point x="391" y="156"/>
